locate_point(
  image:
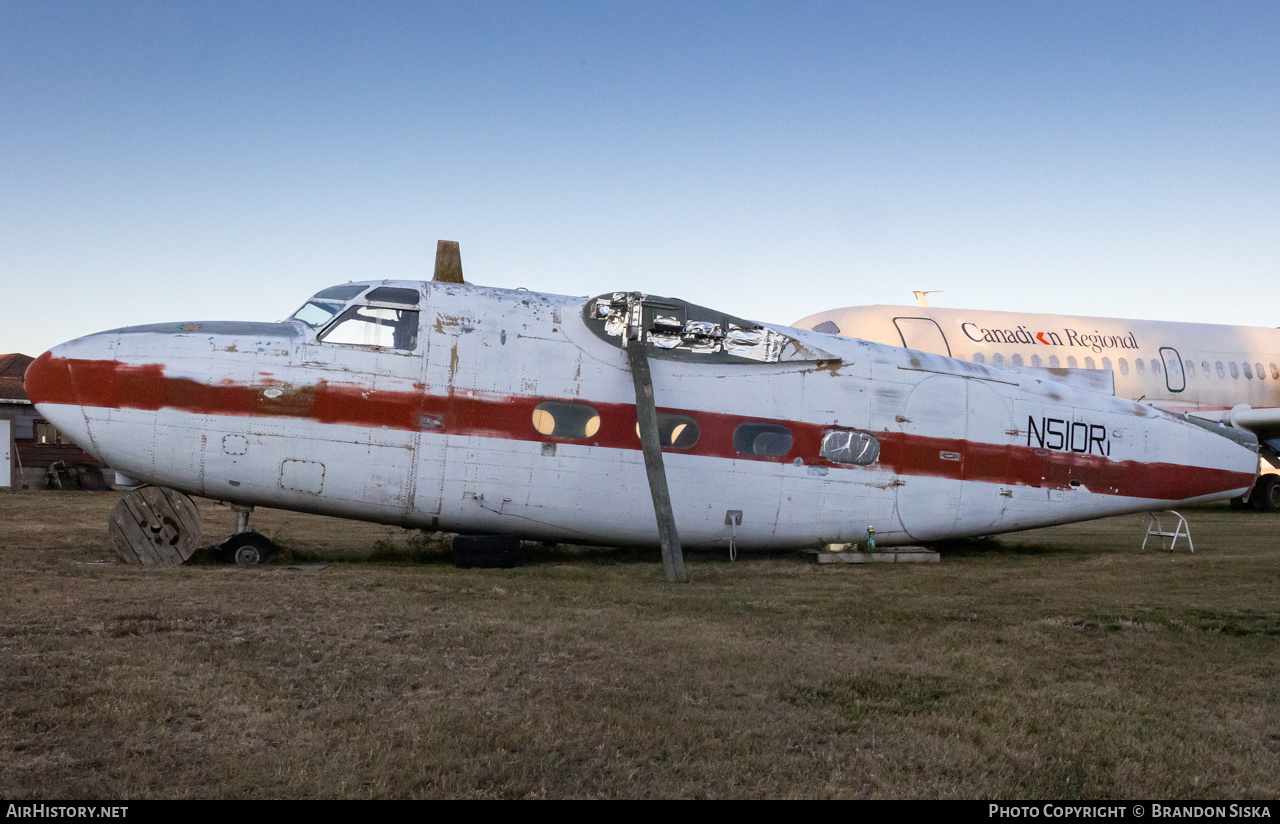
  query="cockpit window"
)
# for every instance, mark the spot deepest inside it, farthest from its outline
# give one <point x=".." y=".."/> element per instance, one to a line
<point x="316" y="314"/>
<point x="327" y="303"/>
<point x="374" y="326"/>
<point x="342" y="293"/>
<point x="392" y="294"/>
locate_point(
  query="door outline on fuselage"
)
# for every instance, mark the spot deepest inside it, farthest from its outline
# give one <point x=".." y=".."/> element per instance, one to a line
<point x="902" y="333"/>
<point x="1173" y="363"/>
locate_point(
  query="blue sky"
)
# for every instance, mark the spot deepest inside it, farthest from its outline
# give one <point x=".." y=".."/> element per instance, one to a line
<point x="210" y="160"/>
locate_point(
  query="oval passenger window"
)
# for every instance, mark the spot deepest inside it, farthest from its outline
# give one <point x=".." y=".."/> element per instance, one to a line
<point x="560" y="419"/>
<point x="765" y="440"/>
<point x="677" y="431"/>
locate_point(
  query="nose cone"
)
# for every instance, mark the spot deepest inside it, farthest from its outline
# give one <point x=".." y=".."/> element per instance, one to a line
<point x="55" y="383"/>
<point x="48" y="380"/>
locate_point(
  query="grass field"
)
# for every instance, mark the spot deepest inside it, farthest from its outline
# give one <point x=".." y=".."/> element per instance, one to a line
<point x="1059" y="663"/>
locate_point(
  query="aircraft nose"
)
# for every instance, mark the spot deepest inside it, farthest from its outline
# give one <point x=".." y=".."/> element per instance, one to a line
<point x="56" y="383"/>
<point x="48" y="380"/>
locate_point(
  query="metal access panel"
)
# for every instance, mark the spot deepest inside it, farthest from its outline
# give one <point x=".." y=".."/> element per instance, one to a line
<point x="922" y="335"/>
<point x="1174" y="377"/>
<point x="6" y="453"/>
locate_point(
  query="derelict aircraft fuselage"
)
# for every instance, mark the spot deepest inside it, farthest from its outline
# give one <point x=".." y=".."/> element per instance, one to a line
<point x="449" y="406"/>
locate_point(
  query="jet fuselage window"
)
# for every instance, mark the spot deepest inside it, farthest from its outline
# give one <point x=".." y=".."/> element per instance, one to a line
<point x="1275" y="372"/>
<point x="846" y="447"/>
<point x="1262" y="373"/>
<point x="678" y="431"/>
<point x="1035" y="361"/>
<point x="1248" y="371"/>
<point x="1089" y="364"/>
<point x="1106" y="364"/>
<point x="1124" y="366"/>
<point x="1235" y="370"/>
<point x="562" y="419"/>
<point x="765" y="440"/>
<point x="1072" y="363"/>
<point x="375" y="326"/>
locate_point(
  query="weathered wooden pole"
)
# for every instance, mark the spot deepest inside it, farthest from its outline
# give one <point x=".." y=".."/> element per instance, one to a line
<point x="651" y="445"/>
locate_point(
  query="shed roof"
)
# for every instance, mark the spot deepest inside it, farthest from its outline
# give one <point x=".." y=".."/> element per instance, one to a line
<point x="12" y="367"/>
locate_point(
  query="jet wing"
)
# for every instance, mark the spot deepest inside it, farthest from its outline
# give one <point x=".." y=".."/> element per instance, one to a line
<point x="1263" y="422"/>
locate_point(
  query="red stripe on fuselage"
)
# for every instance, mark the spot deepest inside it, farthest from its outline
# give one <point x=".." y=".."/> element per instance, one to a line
<point x="109" y="384"/>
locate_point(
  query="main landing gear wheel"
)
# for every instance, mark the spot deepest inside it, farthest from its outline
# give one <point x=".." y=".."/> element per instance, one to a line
<point x="248" y="549"/>
<point x="1266" y="494"/>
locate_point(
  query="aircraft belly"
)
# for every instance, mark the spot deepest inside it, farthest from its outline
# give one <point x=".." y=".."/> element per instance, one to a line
<point x="585" y="493"/>
<point x="831" y="506"/>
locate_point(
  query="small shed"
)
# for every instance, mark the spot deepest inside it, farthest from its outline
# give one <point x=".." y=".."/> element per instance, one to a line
<point x="38" y="455"/>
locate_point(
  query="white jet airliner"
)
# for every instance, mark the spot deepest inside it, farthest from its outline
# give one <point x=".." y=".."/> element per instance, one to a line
<point x="1226" y="374"/>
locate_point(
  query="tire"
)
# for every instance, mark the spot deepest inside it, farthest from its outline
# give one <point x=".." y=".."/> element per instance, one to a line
<point x="248" y="549"/>
<point x="1266" y="494"/>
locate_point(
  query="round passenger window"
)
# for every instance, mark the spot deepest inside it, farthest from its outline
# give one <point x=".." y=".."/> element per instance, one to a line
<point x="678" y="431"/>
<point x="765" y="440"/>
<point x="560" y="419"/>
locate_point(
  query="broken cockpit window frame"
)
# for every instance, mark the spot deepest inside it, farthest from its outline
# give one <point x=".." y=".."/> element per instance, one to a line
<point x="676" y="431"/>
<point x="375" y="326"/>
<point x="566" y="419"/>
<point x="846" y="446"/>
<point x="673" y="329"/>
<point x="763" y="440"/>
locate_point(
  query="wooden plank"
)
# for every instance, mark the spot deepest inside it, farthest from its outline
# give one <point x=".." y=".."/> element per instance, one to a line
<point x="165" y="528"/>
<point x="651" y="446"/>
<point x="912" y="555"/>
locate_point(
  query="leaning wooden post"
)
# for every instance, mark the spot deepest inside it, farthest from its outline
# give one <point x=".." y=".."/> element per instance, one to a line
<point x="651" y="445"/>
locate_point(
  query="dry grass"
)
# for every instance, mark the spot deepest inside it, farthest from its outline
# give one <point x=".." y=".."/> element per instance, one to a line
<point x="1061" y="663"/>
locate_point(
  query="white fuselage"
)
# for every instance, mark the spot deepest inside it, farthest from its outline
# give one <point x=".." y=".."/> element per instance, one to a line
<point x="446" y="434"/>
<point x="1197" y="368"/>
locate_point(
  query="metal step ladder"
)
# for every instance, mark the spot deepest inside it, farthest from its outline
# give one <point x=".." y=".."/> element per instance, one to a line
<point x="1180" y="530"/>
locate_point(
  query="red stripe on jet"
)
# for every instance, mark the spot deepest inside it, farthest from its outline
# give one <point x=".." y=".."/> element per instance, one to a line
<point x="109" y="384"/>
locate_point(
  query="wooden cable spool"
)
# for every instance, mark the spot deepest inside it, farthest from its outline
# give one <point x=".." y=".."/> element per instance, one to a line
<point x="154" y="526"/>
